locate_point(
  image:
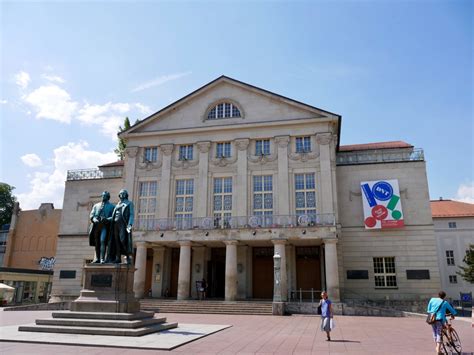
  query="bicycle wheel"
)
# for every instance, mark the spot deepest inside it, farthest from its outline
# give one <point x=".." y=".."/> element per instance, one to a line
<point x="455" y="342"/>
<point x="445" y="347"/>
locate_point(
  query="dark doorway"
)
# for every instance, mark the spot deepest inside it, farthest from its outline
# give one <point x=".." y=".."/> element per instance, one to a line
<point x="216" y="273"/>
<point x="262" y="272"/>
<point x="308" y="270"/>
<point x="173" y="291"/>
<point x="148" y="272"/>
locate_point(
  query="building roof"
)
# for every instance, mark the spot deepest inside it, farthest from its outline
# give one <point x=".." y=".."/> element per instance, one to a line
<point x="372" y="146"/>
<point x="448" y="208"/>
<point x="117" y="163"/>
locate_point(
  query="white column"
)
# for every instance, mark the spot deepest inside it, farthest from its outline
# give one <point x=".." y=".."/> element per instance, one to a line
<point x="332" y="270"/>
<point x="283" y="197"/>
<point x="158" y="268"/>
<point x="202" y="184"/>
<point x="184" y="273"/>
<point x="197" y="268"/>
<point x="231" y="270"/>
<point x="242" y="178"/>
<point x="129" y="170"/>
<point x="164" y="193"/>
<point x="324" y="141"/>
<point x="280" y="248"/>
<point x="140" y="271"/>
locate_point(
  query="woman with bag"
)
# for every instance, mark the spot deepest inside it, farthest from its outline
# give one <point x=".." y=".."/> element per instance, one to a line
<point x="437" y="316"/>
<point x="326" y="315"/>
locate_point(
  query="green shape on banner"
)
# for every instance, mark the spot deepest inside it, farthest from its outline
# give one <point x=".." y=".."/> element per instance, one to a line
<point x="396" y="215"/>
<point x="393" y="202"/>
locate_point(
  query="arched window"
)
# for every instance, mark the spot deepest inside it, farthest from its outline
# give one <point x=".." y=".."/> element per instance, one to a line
<point x="223" y="110"/>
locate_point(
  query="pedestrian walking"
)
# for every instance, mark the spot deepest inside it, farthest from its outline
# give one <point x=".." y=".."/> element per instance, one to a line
<point x="437" y="308"/>
<point x="326" y="315"/>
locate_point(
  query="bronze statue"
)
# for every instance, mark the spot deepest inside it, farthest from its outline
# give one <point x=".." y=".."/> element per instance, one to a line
<point x="120" y="242"/>
<point x="99" y="233"/>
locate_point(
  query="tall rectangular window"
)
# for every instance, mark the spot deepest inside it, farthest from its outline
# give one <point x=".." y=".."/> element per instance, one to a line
<point x="262" y="147"/>
<point x="303" y="144"/>
<point x="147" y="204"/>
<point x="384" y="272"/>
<point x="263" y="195"/>
<point x="453" y="279"/>
<point x="184" y="203"/>
<point x="452" y="225"/>
<point x="223" y="150"/>
<point x="222" y="201"/>
<point x="185" y="152"/>
<point x="305" y="195"/>
<point x="450" y="257"/>
<point x="151" y="154"/>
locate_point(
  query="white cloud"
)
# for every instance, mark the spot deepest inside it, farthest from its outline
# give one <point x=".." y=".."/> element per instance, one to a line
<point x="465" y="193"/>
<point x="22" y="79"/>
<point x="31" y="160"/>
<point x="3" y="102"/>
<point x="159" y="81"/>
<point x="53" y="78"/>
<point x="53" y="103"/>
<point x="49" y="187"/>
<point x="143" y="108"/>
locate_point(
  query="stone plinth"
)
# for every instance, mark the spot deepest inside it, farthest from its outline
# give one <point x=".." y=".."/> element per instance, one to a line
<point x="107" y="288"/>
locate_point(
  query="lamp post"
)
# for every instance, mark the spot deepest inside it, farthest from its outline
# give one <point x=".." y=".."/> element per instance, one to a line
<point x="277" y="305"/>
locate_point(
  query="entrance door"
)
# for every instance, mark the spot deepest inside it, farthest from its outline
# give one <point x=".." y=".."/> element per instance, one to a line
<point x="173" y="292"/>
<point x="308" y="271"/>
<point x="262" y="272"/>
<point x="216" y="274"/>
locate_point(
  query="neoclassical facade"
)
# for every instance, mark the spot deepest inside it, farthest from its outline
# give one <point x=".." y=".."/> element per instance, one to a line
<point x="231" y="174"/>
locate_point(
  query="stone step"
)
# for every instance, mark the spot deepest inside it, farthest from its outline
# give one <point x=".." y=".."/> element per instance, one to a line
<point x="103" y="315"/>
<point x="215" y="311"/>
<point x="98" y="331"/>
<point x="97" y="323"/>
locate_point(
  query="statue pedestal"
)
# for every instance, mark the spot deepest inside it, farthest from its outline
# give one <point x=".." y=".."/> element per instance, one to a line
<point x="107" y="288"/>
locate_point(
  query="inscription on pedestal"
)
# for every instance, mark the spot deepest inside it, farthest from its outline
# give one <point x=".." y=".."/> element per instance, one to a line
<point x="103" y="280"/>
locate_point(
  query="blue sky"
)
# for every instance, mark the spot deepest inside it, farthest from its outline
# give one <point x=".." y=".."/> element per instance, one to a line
<point x="70" y="72"/>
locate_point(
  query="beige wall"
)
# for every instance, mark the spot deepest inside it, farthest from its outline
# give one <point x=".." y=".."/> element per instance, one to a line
<point x="33" y="235"/>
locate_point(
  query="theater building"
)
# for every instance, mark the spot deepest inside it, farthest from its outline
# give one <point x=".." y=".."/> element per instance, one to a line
<point x="231" y="174"/>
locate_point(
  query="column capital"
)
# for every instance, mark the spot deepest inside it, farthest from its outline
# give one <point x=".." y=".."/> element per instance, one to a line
<point x="167" y="149"/>
<point x="282" y="141"/>
<point x="141" y="244"/>
<point x="185" y="243"/>
<point x="324" y="138"/>
<point x="279" y="241"/>
<point x="242" y="144"/>
<point x="203" y="147"/>
<point x="330" y="241"/>
<point x="131" y="152"/>
<point x="231" y="242"/>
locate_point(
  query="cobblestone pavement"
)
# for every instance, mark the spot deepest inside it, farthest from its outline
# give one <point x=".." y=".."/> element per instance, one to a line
<point x="272" y="335"/>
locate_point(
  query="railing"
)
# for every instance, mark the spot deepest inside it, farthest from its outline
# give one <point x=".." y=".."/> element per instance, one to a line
<point x="249" y="222"/>
<point x="300" y="295"/>
<point x="380" y="156"/>
<point x="88" y="174"/>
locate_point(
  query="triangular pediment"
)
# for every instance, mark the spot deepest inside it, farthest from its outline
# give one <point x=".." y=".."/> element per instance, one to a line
<point x="256" y="106"/>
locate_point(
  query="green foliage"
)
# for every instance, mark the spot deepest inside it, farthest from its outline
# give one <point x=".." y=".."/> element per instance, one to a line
<point x="122" y="144"/>
<point x="7" y="200"/>
<point x="467" y="272"/>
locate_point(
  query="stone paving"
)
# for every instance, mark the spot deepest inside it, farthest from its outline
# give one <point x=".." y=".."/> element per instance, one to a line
<point x="271" y="335"/>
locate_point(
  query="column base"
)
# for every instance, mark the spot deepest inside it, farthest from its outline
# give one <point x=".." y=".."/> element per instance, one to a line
<point x="278" y="308"/>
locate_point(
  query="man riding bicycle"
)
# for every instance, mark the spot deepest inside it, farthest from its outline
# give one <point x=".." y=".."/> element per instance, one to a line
<point x="439" y="306"/>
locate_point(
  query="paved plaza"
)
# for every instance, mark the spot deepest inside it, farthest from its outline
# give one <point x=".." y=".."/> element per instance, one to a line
<point x="268" y="335"/>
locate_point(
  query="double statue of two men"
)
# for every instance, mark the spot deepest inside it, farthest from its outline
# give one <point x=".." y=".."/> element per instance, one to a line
<point x="111" y="229"/>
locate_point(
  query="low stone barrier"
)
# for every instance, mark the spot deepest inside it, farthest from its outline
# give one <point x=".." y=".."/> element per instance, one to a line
<point x="40" y="307"/>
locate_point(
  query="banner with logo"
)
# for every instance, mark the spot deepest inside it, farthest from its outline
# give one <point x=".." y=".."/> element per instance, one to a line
<point x="382" y="205"/>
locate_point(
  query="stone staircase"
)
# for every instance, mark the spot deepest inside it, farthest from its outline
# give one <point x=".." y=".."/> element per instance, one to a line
<point x="207" y="306"/>
<point x="100" y="323"/>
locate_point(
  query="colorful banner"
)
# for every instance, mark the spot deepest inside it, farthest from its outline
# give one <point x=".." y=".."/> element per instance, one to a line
<point x="382" y="205"/>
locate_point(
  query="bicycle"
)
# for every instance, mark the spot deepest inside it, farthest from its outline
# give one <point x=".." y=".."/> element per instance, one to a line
<point x="450" y="342"/>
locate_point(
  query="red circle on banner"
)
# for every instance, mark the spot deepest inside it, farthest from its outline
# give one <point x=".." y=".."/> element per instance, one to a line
<point x="370" y="222"/>
<point x="379" y="212"/>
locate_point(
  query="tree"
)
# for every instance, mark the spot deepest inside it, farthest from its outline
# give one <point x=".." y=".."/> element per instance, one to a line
<point x="7" y="200"/>
<point x="120" y="150"/>
<point x="467" y="272"/>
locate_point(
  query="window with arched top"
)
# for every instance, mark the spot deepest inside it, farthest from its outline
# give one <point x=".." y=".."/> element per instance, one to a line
<point x="223" y="110"/>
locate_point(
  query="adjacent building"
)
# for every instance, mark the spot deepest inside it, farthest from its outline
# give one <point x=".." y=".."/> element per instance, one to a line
<point x="30" y="250"/>
<point x="232" y="174"/>
<point x="454" y="230"/>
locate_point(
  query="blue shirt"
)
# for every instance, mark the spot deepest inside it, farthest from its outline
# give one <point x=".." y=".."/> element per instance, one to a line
<point x="325" y="310"/>
<point x="441" y="314"/>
